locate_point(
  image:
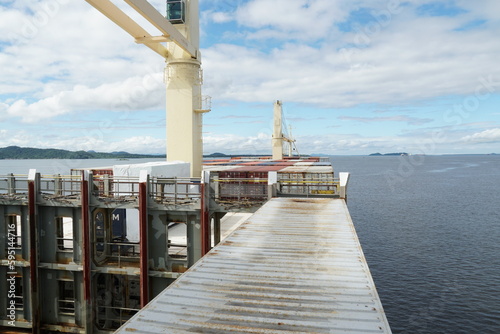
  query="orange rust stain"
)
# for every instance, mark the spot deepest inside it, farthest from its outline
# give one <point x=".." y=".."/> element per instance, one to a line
<point x="178" y="268"/>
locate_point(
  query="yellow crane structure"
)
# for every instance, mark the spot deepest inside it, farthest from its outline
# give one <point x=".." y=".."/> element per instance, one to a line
<point x="278" y="137"/>
<point x="178" y="43"/>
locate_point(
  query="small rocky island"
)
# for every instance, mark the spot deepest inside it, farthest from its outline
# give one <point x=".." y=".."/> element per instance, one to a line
<point x="389" y="154"/>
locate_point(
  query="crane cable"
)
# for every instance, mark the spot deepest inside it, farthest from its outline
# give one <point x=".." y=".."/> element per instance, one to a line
<point x="286" y="134"/>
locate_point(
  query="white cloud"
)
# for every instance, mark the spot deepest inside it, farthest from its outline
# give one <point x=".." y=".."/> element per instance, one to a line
<point x="347" y="144"/>
<point x="304" y="19"/>
<point x="15" y="138"/>
<point x="84" y="141"/>
<point x="76" y="60"/>
<point x="409" y="58"/>
<point x="73" y="45"/>
<point x="220" y="17"/>
<point x="135" y="93"/>
<point x="487" y="136"/>
<point x="398" y="118"/>
<point x="142" y="144"/>
<point x="488" y="9"/>
<point x="229" y="143"/>
<point x="307" y="144"/>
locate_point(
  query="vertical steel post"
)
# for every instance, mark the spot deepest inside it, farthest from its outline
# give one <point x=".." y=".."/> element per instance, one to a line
<point x="272" y="182"/>
<point x="143" y="235"/>
<point x="33" y="234"/>
<point x="58" y="185"/>
<point x="86" y="252"/>
<point x="11" y="184"/>
<point x="204" y="219"/>
<point x="205" y="212"/>
<point x="343" y="181"/>
<point x="194" y="238"/>
<point x="217" y="234"/>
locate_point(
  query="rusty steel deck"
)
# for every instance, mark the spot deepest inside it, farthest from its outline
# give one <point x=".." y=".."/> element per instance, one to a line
<point x="296" y="265"/>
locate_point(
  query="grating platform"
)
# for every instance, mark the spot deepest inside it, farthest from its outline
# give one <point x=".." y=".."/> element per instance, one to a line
<point x="296" y="265"/>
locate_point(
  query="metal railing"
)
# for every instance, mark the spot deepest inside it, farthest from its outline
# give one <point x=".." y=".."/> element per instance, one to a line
<point x="115" y="186"/>
<point x="60" y="185"/>
<point x="171" y="190"/>
<point x="175" y="190"/>
<point x="12" y="184"/>
<point x="250" y="189"/>
<point x="124" y="251"/>
<point x="309" y="186"/>
<point x="66" y="306"/>
<point x="162" y="190"/>
<point x="54" y="185"/>
<point x="64" y="244"/>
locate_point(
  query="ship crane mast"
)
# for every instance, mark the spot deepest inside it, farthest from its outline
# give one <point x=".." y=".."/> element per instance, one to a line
<point x="278" y="136"/>
<point x="291" y="142"/>
<point x="180" y="31"/>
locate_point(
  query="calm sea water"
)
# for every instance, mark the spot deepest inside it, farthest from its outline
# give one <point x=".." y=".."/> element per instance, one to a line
<point x="429" y="227"/>
<point x="430" y="230"/>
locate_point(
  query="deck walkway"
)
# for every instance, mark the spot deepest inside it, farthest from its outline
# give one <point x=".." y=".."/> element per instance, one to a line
<point x="296" y="265"/>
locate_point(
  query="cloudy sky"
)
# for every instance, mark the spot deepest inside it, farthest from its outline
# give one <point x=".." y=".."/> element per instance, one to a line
<point x="355" y="76"/>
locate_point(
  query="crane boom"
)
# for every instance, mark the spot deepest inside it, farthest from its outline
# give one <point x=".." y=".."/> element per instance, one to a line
<point x="115" y="14"/>
<point x="161" y="23"/>
<point x="183" y="71"/>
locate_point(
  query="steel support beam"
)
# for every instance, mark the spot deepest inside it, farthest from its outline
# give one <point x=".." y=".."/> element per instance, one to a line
<point x="194" y="238"/>
<point x="143" y="235"/>
<point x="217" y="231"/>
<point x="86" y="255"/>
<point x="115" y="14"/>
<point x="33" y="179"/>
<point x="161" y="23"/>
<point x="205" y="222"/>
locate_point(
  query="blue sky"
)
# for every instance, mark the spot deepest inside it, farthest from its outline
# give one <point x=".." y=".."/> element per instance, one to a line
<point x="355" y="77"/>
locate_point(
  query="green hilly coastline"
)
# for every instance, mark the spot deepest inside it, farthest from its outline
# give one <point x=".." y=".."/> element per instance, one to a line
<point x="16" y="152"/>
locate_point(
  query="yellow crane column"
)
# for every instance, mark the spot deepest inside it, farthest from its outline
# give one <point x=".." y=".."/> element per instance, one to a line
<point x="277" y="132"/>
<point x="184" y="100"/>
<point x="180" y="31"/>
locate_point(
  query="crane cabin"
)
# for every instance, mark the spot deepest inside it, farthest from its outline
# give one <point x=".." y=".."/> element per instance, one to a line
<point x="176" y="11"/>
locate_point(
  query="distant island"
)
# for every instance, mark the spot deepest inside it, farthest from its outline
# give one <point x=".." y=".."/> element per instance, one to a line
<point x="16" y="152"/>
<point x="217" y="155"/>
<point x="389" y="154"/>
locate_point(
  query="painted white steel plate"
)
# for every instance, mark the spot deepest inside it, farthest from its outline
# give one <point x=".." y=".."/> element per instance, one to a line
<point x="307" y="169"/>
<point x="296" y="265"/>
